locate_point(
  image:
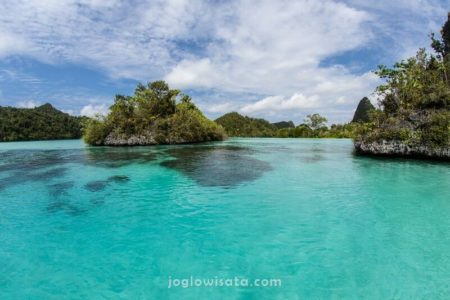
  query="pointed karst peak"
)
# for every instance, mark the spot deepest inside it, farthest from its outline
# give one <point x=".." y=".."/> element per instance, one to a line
<point x="47" y="107"/>
<point x="363" y="110"/>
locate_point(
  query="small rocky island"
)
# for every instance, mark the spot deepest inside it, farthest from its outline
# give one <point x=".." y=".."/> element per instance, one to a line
<point x="154" y="115"/>
<point x="414" y="119"/>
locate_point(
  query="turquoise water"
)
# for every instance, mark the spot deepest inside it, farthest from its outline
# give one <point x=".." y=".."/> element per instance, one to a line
<point x="117" y="223"/>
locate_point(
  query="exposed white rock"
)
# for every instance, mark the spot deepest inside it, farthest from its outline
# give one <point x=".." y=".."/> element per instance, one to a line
<point x="398" y="148"/>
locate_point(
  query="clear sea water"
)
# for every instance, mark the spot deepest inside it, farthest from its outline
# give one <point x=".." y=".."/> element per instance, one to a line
<point x="116" y="223"/>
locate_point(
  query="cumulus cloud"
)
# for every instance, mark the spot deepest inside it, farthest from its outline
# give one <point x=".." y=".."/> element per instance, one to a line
<point x="92" y="110"/>
<point x="279" y="103"/>
<point x="11" y="44"/>
<point x="274" y="47"/>
<point x="191" y="74"/>
<point x="28" y="104"/>
<point x="274" y="50"/>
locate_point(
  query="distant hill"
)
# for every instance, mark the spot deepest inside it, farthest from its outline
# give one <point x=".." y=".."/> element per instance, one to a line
<point x="40" y="123"/>
<point x="284" y="124"/>
<point x="362" y="111"/>
<point x="238" y="125"/>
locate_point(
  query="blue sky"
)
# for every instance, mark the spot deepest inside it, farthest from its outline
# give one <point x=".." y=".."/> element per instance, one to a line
<point x="280" y="60"/>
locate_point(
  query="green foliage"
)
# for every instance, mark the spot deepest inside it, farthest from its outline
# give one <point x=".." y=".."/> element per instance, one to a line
<point x="315" y="121"/>
<point x="437" y="131"/>
<point x="189" y="124"/>
<point x="40" y="123"/>
<point x="242" y="126"/>
<point x="362" y="113"/>
<point x="284" y="124"/>
<point x="96" y="131"/>
<point x="153" y="111"/>
<point x="415" y="98"/>
<point x="417" y="83"/>
<point x="442" y="45"/>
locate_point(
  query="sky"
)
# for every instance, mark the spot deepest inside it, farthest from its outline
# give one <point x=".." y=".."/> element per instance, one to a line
<point x="278" y="60"/>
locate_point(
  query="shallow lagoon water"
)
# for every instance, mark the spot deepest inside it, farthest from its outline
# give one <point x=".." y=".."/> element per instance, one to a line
<point x="115" y="223"/>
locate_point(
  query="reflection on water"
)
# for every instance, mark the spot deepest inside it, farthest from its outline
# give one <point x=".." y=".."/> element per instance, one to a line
<point x="224" y="166"/>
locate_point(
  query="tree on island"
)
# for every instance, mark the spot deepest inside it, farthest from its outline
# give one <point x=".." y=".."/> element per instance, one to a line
<point x="316" y="121"/>
<point x="155" y="114"/>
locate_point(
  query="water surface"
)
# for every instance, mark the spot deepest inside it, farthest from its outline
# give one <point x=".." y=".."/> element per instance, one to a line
<point x="115" y="223"/>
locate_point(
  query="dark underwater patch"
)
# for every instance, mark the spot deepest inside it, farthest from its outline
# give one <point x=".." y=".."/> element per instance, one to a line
<point x="35" y="160"/>
<point x="97" y="201"/>
<point x="59" y="189"/>
<point x="96" y="186"/>
<point x="217" y="165"/>
<point x="46" y="175"/>
<point x="117" y="157"/>
<point x="23" y="176"/>
<point x="118" y="178"/>
<point x="312" y="158"/>
<point x="33" y="164"/>
<point x="66" y="207"/>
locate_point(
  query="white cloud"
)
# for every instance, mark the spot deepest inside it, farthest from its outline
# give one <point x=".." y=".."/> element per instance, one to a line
<point x="279" y="103"/>
<point x="273" y="50"/>
<point x="11" y="44"/>
<point x="190" y="74"/>
<point x="219" y="107"/>
<point x="92" y="110"/>
<point x="273" y="47"/>
<point x="28" y="104"/>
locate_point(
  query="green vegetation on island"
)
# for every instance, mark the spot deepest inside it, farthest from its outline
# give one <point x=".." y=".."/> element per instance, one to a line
<point x="242" y="126"/>
<point x="39" y="123"/>
<point x="414" y="119"/>
<point x="314" y="126"/>
<point x="155" y="114"/>
<point x="284" y="124"/>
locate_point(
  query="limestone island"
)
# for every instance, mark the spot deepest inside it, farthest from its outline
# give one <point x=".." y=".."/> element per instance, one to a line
<point x="154" y="115"/>
<point x="414" y="115"/>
